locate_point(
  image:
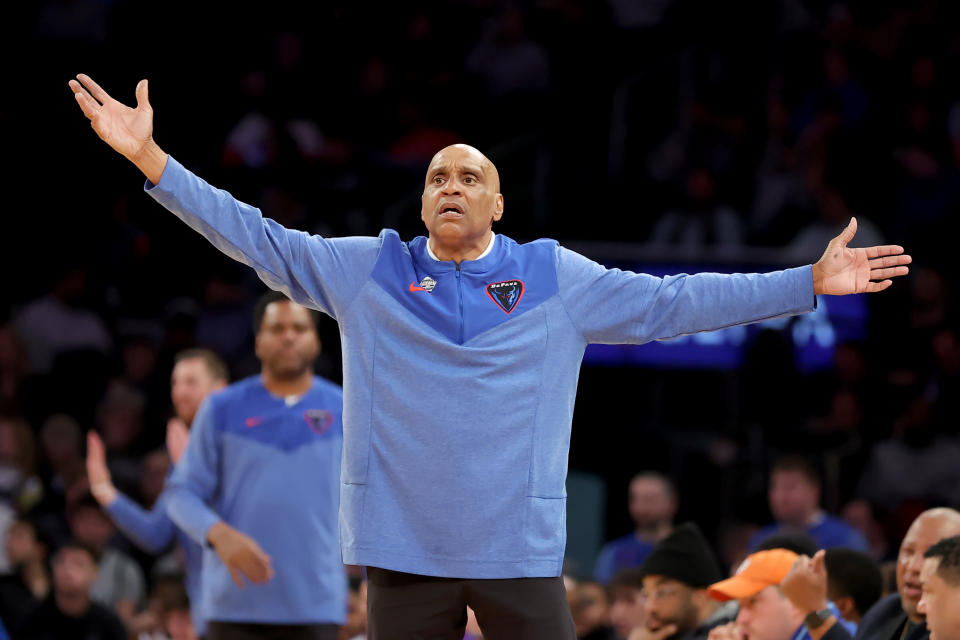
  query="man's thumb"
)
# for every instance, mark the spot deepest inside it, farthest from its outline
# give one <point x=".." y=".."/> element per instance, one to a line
<point x="143" y="99"/>
<point x="847" y="234"/>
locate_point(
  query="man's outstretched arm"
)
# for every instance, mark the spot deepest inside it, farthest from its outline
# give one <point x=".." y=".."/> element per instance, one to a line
<point x="128" y="131"/>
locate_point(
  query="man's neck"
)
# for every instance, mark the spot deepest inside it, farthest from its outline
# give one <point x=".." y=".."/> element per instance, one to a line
<point x="283" y="387"/>
<point x="459" y="253"/>
<point x="73" y="604"/>
<point x="654" y="533"/>
<point x="805" y="521"/>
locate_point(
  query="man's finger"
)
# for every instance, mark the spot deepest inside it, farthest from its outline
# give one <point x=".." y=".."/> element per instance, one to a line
<point x="883" y="250"/>
<point x="890" y="261"/>
<point x="890" y="272"/>
<point x="93" y="87"/>
<point x="873" y="287"/>
<point x="87" y="104"/>
<point x="819" y="564"/>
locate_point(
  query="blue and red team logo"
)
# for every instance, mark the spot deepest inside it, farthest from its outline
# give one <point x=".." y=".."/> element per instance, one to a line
<point x="506" y="294"/>
<point x="318" y="420"/>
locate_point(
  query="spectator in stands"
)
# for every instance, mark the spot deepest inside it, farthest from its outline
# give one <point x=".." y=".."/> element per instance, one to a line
<point x="652" y="504"/>
<point x="590" y="610"/>
<point x="794" y="497"/>
<point x="22" y="590"/>
<point x="627" y="602"/>
<point x="61" y="321"/>
<point x="119" y="583"/>
<point x="895" y="617"/>
<point x="940" y="576"/>
<point x="765" y="611"/>
<point x="71" y="613"/>
<point x="854" y="582"/>
<point x="675" y="580"/>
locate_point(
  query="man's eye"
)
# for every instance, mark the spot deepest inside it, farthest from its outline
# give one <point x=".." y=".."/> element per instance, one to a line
<point x="469" y="180"/>
<point x="438" y="180"/>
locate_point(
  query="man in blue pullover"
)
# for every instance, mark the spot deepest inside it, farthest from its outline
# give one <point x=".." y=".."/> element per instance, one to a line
<point x="461" y="356"/>
<point x="258" y="486"/>
<point x="196" y="374"/>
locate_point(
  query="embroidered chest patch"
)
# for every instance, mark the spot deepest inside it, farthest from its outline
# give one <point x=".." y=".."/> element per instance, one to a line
<point x="506" y="294"/>
<point x="318" y="420"/>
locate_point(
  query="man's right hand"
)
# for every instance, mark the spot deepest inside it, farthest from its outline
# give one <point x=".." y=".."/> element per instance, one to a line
<point x="241" y="554"/>
<point x="128" y="131"/>
<point x="98" y="475"/>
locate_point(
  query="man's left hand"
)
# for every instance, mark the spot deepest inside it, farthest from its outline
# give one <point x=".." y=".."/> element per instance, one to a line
<point x="842" y="270"/>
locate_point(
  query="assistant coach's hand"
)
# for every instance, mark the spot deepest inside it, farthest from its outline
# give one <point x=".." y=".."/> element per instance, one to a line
<point x="241" y="554"/>
<point x="128" y="131"/>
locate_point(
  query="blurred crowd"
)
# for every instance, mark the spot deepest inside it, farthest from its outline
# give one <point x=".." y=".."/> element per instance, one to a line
<point x="689" y="127"/>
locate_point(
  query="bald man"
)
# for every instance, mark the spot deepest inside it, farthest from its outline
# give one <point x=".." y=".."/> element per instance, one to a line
<point x="461" y="356"/>
<point x="896" y="617"/>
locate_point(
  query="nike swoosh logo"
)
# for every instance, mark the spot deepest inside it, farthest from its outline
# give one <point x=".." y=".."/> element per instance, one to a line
<point x="414" y="287"/>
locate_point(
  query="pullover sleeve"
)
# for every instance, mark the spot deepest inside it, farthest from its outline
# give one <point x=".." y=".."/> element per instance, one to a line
<point x="317" y="272"/>
<point x="611" y="306"/>
<point x="151" y="530"/>
<point x="194" y="480"/>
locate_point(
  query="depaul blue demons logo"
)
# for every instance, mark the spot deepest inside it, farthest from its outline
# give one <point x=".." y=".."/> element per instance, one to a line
<point x="506" y="294"/>
<point x="318" y="420"/>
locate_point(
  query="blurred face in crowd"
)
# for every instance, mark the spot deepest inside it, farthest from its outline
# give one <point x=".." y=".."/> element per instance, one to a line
<point x="191" y="382"/>
<point x="627" y="610"/>
<point x="669" y="602"/>
<point x="22" y="545"/>
<point x="794" y="499"/>
<point x="74" y="572"/>
<point x="940" y="603"/>
<point x="588" y="606"/>
<point x="928" y="528"/>
<point x="287" y="343"/>
<point x="768" y="616"/>
<point x="651" y="503"/>
<point x="91" y="526"/>
<point x="461" y="197"/>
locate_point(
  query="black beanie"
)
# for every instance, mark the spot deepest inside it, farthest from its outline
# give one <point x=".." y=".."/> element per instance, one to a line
<point x="685" y="556"/>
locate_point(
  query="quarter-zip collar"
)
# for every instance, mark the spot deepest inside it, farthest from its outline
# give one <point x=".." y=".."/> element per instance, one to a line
<point x="427" y="260"/>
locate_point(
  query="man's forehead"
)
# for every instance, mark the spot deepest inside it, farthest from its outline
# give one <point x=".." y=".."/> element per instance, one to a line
<point x="459" y="154"/>
<point x="929" y="568"/>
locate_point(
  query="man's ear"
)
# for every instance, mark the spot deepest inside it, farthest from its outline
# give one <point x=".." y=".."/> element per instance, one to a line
<point x="498" y="208"/>
<point x="847" y="608"/>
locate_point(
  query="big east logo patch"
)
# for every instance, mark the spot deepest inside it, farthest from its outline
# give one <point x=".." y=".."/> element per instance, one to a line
<point x="506" y="294"/>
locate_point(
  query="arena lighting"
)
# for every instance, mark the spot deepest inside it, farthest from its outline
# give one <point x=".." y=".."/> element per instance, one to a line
<point x="814" y="337"/>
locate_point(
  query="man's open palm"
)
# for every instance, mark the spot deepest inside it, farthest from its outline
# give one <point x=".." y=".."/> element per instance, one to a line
<point x="126" y="130"/>
<point x="843" y="270"/>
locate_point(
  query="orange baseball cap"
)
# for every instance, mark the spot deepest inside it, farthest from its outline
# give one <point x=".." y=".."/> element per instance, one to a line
<point x="759" y="570"/>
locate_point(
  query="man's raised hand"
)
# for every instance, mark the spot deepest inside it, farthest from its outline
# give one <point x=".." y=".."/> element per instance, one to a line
<point x="842" y="270"/>
<point x="128" y="131"/>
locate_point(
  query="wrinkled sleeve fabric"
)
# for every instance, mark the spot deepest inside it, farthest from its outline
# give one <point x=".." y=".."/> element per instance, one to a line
<point x="151" y="530"/>
<point x="321" y="273"/>
<point x="194" y="481"/>
<point x="612" y="306"/>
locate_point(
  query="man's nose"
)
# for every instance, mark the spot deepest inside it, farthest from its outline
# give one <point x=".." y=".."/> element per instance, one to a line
<point x="451" y="187"/>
